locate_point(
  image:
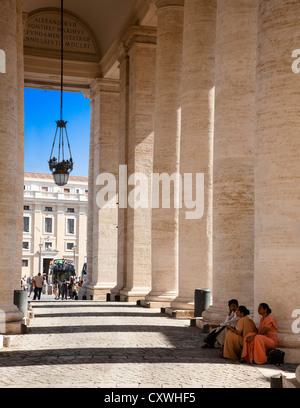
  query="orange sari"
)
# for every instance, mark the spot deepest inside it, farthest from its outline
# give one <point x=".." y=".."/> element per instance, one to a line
<point x="256" y="351"/>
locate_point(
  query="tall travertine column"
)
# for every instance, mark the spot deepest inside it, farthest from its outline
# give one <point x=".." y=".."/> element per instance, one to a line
<point x="123" y="158"/>
<point x="105" y="94"/>
<point x="137" y="150"/>
<point x="20" y="177"/>
<point x="9" y="168"/>
<point x="196" y="149"/>
<point x="91" y="200"/>
<point x="277" y="186"/>
<point x="166" y="149"/>
<point x="233" y="189"/>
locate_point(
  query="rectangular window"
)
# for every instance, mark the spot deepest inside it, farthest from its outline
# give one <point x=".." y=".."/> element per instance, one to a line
<point x="25" y="245"/>
<point x="70" y="210"/>
<point x="48" y="245"/>
<point x="26" y="208"/>
<point x="48" y="225"/>
<point x="25" y="262"/>
<point x="48" y="209"/>
<point x="25" y="224"/>
<point x="70" y="246"/>
<point x="70" y="226"/>
<point x="66" y="190"/>
<point x="45" y="189"/>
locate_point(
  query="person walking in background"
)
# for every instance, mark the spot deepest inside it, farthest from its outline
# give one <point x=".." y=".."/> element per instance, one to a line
<point x="256" y="345"/>
<point x="64" y="289"/>
<point x="57" y="286"/>
<point x="39" y="281"/>
<point x="30" y="282"/>
<point x="71" y="288"/>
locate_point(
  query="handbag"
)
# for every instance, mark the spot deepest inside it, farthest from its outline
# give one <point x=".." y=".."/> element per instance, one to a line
<point x="211" y="337"/>
<point x="276" y="357"/>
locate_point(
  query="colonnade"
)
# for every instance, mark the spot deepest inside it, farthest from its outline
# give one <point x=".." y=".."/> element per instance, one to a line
<point x="215" y="95"/>
<point x="208" y="91"/>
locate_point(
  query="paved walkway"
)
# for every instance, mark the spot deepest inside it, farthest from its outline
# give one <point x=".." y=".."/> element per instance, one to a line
<point x="118" y="345"/>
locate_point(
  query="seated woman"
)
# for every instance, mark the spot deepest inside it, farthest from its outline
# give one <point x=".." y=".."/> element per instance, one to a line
<point x="256" y="345"/>
<point x="235" y="337"/>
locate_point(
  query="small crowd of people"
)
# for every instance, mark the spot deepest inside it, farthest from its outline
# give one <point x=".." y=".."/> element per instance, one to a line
<point x="63" y="290"/>
<point x="239" y="337"/>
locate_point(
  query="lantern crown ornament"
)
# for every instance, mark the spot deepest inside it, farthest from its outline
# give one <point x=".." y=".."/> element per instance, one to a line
<point x="59" y="166"/>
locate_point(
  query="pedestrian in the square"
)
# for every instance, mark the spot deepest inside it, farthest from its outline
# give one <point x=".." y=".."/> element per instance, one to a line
<point x="64" y="289"/>
<point x="39" y="281"/>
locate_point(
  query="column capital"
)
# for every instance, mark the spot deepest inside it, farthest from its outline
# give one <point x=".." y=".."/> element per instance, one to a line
<point x="169" y="3"/>
<point x="139" y="34"/>
<point x="100" y="85"/>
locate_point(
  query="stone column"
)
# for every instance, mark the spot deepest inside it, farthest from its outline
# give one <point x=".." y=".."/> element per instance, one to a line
<point x="140" y="46"/>
<point x="123" y="159"/>
<point x="9" y="197"/>
<point x="166" y="150"/>
<point x="233" y="190"/>
<point x="20" y="178"/>
<point x="105" y="94"/>
<point x="89" y="249"/>
<point x="196" y="150"/>
<point x="277" y="186"/>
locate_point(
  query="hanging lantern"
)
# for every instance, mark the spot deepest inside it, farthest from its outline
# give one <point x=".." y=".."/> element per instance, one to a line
<point x="61" y="167"/>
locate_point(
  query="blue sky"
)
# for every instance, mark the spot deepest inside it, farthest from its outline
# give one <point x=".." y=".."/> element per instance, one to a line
<point x="42" y="109"/>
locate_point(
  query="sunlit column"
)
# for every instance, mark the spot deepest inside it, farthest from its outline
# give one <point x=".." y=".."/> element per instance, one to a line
<point x="9" y="170"/>
<point x="140" y="44"/>
<point x="233" y="171"/>
<point x="105" y="213"/>
<point x="196" y="150"/>
<point x="123" y="158"/>
<point x="167" y="129"/>
<point x="89" y="249"/>
<point x="20" y="177"/>
<point x="277" y="185"/>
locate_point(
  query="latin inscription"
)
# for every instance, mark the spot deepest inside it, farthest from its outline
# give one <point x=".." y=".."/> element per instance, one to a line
<point x="44" y="31"/>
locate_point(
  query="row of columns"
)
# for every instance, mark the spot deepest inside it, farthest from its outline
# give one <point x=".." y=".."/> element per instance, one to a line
<point x="212" y="92"/>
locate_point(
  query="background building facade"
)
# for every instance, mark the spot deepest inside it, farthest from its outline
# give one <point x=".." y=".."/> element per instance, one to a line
<point x="54" y="223"/>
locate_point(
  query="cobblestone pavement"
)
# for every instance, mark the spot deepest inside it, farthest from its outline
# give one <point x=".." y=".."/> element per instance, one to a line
<point x="118" y="345"/>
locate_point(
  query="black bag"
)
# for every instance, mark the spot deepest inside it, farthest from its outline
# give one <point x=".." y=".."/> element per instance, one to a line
<point x="211" y="337"/>
<point x="276" y="357"/>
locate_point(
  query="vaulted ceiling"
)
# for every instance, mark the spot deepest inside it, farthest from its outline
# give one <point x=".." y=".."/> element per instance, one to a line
<point x="107" y="19"/>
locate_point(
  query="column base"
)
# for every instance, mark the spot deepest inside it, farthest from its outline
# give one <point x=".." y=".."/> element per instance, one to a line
<point x="153" y="305"/>
<point x="181" y="303"/>
<point x="214" y="314"/>
<point x="160" y="299"/>
<point x="115" y="294"/>
<point x="179" y="314"/>
<point x="11" y="319"/>
<point x="133" y="294"/>
<point x="292" y="355"/>
<point x="96" y="291"/>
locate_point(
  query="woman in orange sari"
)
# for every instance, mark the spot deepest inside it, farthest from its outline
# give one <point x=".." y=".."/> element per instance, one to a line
<point x="235" y="336"/>
<point x="256" y="345"/>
